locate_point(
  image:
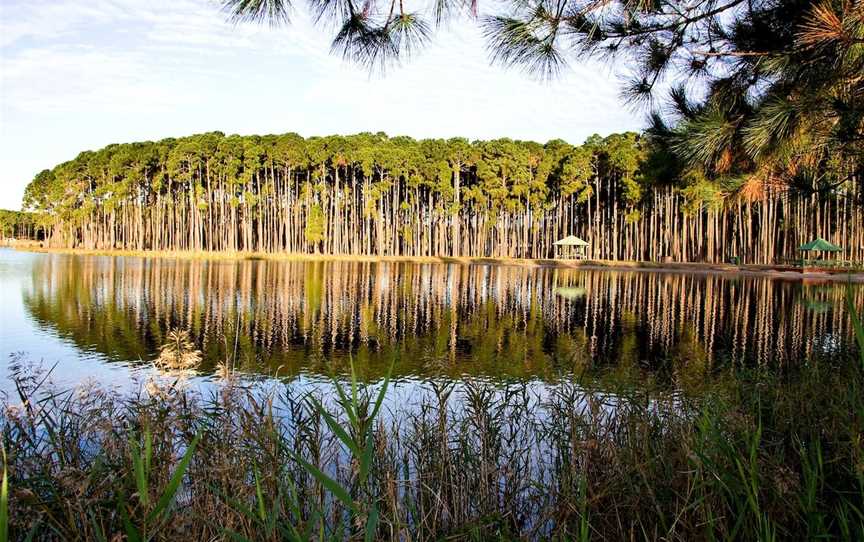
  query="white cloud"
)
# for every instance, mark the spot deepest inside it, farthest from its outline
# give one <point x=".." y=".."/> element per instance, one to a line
<point x="83" y="79"/>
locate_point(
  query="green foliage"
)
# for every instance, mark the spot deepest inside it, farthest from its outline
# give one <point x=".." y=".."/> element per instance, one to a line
<point x="855" y="315"/>
<point x="358" y="438"/>
<point x="315" y="225"/>
<point x="372" y="194"/>
<point x="212" y="181"/>
<point x="700" y="193"/>
<point x="4" y="500"/>
<point x="20" y="224"/>
<point x="142" y="522"/>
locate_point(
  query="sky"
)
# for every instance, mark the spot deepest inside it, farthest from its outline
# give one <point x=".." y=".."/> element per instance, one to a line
<point x="77" y="76"/>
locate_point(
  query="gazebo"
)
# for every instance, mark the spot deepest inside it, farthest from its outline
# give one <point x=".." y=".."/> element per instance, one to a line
<point x="573" y="241"/>
<point x="818" y="245"/>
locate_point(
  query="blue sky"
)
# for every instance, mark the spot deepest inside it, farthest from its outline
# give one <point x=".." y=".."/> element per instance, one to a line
<point x="79" y="75"/>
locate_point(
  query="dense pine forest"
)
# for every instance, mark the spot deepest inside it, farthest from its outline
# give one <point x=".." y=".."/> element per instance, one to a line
<point x="395" y="196"/>
<point x="19" y="225"/>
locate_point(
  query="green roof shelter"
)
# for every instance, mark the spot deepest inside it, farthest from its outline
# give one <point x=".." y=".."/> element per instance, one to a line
<point x="817" y="245"/>
<point x="573" y="245"/>
<point x="820" y="245"/>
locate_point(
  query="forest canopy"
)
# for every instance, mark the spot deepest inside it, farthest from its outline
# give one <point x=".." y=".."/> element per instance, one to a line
<point x="19" y="225"/>
<point x="397" y="196"/>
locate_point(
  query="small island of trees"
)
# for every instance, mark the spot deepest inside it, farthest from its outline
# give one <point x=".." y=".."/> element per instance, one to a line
<point x="371" y="194"/>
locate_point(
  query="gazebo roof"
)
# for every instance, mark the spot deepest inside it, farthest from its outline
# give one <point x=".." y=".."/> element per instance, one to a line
<point x="571" y="241"/>
<point x="820" y="245"/>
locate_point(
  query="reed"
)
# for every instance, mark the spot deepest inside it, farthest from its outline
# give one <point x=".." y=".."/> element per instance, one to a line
<point x="777" y="456"/>
<point x="178" y="354"/>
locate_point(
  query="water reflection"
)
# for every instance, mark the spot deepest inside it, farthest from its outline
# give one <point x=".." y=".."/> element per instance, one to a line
<point x="290" y="317"/>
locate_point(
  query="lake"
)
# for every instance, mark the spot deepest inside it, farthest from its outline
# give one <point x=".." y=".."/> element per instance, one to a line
<point x="526" y="403"/>
<point x="104" y="318"/>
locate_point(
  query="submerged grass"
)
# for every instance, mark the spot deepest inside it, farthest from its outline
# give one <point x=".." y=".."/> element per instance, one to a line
<point x="779" y="456"/>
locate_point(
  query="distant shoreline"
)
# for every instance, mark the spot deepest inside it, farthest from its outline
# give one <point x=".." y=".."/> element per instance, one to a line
<point x="774" y="271"/>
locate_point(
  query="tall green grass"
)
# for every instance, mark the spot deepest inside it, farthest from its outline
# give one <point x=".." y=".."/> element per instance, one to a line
<point x="777" y="456"/>
<point x="4" y="502"/>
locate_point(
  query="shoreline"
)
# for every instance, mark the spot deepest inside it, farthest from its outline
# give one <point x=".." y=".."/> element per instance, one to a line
<point x="756" y="270"/>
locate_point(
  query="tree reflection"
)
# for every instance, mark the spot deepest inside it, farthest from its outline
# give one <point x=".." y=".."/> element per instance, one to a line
<point x="498" y="321"/>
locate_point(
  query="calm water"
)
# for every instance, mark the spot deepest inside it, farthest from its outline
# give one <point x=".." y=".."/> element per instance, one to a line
<point x="104" y="318"/>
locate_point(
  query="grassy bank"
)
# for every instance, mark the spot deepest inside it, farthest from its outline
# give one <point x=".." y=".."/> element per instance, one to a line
<point x="778" y="456"/>
<point x="683" y="267"/>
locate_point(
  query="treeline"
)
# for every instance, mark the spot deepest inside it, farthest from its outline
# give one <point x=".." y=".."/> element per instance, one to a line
<point x="19" y="225"/>
<point x="373" y="194"/>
